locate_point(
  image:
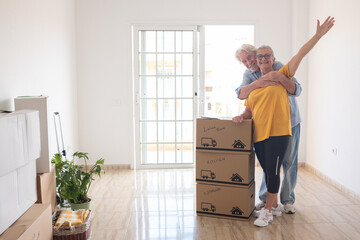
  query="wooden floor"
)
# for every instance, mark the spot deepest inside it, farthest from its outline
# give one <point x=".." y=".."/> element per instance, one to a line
<point x="160" y="204"/>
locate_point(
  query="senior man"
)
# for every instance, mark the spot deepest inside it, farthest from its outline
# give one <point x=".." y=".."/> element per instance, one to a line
<point x="252" y="79"/>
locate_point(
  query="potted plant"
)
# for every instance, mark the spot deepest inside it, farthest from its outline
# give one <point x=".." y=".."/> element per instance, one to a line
<point x="73" y="181"/>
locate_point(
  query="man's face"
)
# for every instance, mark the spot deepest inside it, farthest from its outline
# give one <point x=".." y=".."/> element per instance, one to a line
<point x="249" y="61"/>
<point x="264" y="58"/>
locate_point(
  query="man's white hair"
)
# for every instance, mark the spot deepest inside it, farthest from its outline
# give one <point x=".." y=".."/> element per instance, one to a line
<point x="245" y="48"/>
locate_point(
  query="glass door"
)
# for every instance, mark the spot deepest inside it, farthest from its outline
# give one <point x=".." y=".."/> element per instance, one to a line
<point x="166" y="76"/>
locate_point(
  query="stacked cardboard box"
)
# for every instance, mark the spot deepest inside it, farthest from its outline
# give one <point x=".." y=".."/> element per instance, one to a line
<point x="48" y="147"/>
<point x="225" y="163"/>
<point x="19" y="149"/>
<point x="46" y="188"/>
<point x="35" y="223"/>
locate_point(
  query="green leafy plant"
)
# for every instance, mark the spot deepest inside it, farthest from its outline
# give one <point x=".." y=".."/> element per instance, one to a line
<point x="73" y="181"/>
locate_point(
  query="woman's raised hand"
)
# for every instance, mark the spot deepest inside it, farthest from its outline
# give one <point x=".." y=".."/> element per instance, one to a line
<point x="322" y="29"/>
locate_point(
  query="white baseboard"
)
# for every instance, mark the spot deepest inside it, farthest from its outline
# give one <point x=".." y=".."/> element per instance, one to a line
<point x="115" y="166"/>
<point x="327" y="179"/>
<point x="331" y="181"/>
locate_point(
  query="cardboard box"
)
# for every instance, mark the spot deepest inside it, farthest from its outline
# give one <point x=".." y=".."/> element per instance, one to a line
<point x="12" y="141"/>
<point x="35" y="223"/>
<point x="32" y="144"/>
<point x="46" y="188"/>
<point x="19" y="148"/>
<point x="225" y="167"/>
<point x="225" y="201"/>
<point x="19" y="139"/>
<point x="219" y="134"/>
<point x="41" y="103"/>
<point x="18" y="194"/>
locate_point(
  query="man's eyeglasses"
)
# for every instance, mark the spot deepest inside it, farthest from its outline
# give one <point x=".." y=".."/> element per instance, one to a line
<point x="266" y="56"/>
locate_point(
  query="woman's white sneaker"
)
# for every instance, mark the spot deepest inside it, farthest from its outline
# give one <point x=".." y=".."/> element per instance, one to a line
<point x="264" y="218"/>
<point x="277" y="212"/>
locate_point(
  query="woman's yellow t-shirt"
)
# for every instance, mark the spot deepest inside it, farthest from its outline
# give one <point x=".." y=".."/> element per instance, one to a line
<point x="270" y="110"/>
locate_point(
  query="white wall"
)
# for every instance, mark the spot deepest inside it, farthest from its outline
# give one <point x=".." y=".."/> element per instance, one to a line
<point x="105" y="50"/>
<point x="333" y="97"/>
<point x="300" y="15"/>
<point x="37" y="57"/>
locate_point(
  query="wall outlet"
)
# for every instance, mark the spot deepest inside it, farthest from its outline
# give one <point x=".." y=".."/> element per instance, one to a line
<point x="334" y="151"/>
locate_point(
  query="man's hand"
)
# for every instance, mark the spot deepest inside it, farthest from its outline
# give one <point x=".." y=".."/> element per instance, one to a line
<point x="238" y="119"/>
<point x="269" y="79"/>
<point x="275" y="77"/>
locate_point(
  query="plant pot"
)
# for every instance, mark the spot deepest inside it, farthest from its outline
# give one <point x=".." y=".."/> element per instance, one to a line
<point x="77" y="206"/>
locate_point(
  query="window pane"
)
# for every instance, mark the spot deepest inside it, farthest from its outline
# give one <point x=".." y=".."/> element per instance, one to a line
<point x="166" y="109"/>
<point x="184" y="87"/>
<point x="184" y="109"/>
<point x="166" y="153"/>
<point x="166" y="65"/>
<point x="148" y="109"/>
<point x="148" y="153"/>
<point x="160" y="41"/>
<point x="184" y="131"/>
<point x="166" y="87"/>
<point x="169" y="41"/>
<point x="166" y="41"/>
<point x="166" y="131"/>
<point x="184" y="64"/>
<point x="148" y="132"/>
<point x="185" y="153"/>
<point x="148" y="87"/>
<point x="184" y="41"/>
<point x="147" y="64"/>
<point x="147" y="41"/>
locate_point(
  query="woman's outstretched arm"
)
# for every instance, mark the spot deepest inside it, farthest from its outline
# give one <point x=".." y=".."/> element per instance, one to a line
<point x="321" y="30"/>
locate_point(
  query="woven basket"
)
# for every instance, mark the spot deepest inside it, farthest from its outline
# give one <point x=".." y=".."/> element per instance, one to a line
<point x="77" y="232"/>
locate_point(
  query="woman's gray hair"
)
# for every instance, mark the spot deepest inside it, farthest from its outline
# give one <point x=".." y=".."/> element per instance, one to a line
<point x="245" y="48"/>
<point x="267" y="47"/>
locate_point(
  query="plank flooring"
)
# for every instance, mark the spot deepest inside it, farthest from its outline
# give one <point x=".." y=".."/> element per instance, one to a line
<point x="160" y="204"/>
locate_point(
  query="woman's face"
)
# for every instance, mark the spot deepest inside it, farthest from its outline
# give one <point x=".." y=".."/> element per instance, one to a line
<point x="264" y="59"/>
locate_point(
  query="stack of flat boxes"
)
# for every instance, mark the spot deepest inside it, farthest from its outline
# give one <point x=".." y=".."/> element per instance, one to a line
<point x="225" y="169"/>
<point x="19" y="149"/>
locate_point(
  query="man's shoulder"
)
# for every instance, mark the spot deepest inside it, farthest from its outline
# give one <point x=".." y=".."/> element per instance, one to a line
<point x="277" y="65"/>
<point x="250" y="75"/>
<point x="247" y="72"/>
